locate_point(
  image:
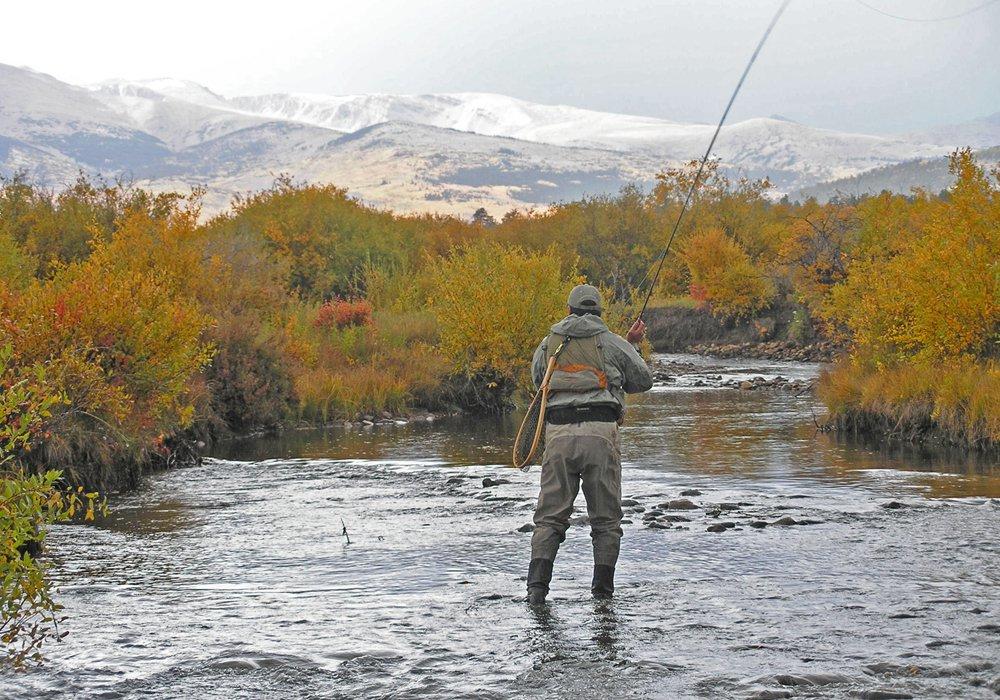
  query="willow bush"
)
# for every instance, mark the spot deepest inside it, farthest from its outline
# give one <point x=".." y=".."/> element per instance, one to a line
<point x="29" y="505"/>
<point x="493" y="304"/>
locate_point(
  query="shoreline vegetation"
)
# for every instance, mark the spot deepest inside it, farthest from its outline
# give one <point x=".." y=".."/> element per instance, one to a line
<point x="148" y="331"/>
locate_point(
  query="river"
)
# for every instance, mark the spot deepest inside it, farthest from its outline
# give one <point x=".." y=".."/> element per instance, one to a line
<point x="233" y="579"/>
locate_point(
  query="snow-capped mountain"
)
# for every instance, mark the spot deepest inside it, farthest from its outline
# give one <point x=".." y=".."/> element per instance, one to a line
<point x="445" y="152"/>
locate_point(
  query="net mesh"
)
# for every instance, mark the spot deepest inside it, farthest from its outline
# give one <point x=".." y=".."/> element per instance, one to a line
<point x="526" y="448"/>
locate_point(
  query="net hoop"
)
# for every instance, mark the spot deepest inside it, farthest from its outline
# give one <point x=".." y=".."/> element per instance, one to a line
<point x="541" y="397"/>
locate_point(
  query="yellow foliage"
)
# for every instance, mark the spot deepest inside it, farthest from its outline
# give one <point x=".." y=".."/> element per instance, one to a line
<point x="494" y="303"/>
<point x="935" y="294"/>
<point x="724" y="273"/>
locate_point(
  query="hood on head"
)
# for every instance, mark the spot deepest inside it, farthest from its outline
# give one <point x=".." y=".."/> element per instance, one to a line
<point x="580" y="326"/>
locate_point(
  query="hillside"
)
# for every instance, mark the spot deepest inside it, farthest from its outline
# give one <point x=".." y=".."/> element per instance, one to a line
<point x="930" y="174"/>
<point x="447" y="153"/>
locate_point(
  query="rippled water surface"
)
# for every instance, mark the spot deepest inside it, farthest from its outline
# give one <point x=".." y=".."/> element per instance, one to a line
<point x="233" y="579"/>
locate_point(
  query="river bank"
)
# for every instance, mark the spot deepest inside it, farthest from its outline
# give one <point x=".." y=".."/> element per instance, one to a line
<point x="234" y="578"/>
<point x="779" y="334"/>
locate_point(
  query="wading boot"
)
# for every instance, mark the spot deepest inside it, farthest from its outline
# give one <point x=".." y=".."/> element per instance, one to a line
<point x="603" y="585"/>
<point x="539" y="577"/>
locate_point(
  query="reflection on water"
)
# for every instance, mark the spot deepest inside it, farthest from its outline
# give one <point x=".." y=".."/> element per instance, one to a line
<point x="233" y="579"/>
<point x="714" y="432"/>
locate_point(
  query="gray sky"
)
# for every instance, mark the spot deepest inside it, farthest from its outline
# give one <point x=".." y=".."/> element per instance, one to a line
<point x="830" y="63"/>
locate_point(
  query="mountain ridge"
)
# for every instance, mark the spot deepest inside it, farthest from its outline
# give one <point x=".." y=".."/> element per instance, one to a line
<point x="448" y="152"/>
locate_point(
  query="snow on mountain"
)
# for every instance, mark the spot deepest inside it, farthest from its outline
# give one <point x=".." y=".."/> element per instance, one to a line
<point x="66" y="128"/>
<point x="179" y="113"/>
<point x="481" y="113"/>
<point x="979" y="133"/>
<point x="445" y="152"/>
<point x="789" y="152"/>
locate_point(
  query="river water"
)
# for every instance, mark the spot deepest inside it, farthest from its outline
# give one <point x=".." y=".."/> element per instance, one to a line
<point x="234" y="579"/>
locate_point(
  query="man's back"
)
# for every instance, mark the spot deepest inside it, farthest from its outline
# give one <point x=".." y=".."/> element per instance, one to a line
<point x="625" y="370"/>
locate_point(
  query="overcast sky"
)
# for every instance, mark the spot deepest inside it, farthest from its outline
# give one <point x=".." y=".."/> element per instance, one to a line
<point x="830" y="63"/>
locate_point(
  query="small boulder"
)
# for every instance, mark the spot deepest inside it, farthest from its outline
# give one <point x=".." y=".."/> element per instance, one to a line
<point x="718" y="527"/>
<point x="487" y="482"/>
<point x="527" y="527"/>
<point x="676" y="519"/>
<point x="691" y="492"/>
<point x="787" y="520"/>
<point x="680" y="504"/>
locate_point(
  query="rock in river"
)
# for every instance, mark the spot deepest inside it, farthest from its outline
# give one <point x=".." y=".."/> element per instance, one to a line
<point x="678" y="504"/>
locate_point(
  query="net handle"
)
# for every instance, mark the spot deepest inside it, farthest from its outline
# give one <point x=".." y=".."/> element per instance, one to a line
<point x="541" y="395"/>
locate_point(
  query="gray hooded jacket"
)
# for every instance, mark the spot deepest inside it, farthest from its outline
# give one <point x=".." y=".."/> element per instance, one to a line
<point x="626" y="371"/>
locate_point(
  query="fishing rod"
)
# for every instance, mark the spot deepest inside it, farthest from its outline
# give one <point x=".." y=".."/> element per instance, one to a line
<point x="529" y="435"/>
<point x="708" y="153"/>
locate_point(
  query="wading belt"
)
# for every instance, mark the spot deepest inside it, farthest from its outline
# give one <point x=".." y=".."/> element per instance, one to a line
<point x="565" y="415"/>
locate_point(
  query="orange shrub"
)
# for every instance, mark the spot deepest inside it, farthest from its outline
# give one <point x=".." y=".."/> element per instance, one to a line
<point x="343" y="313"/>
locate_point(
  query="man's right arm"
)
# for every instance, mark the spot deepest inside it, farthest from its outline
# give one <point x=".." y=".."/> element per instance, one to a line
<point x="637" y="377"/>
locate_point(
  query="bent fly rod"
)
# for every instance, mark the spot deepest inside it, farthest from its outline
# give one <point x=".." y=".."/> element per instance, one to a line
<point x="708" y="153"/>
<point x="529" y="436"/>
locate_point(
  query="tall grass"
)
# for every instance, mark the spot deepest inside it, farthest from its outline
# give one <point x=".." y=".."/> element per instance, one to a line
<point x="957" y="401"/>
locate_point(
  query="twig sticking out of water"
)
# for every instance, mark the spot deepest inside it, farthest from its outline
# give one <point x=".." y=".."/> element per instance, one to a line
<point x="344" y="531"/>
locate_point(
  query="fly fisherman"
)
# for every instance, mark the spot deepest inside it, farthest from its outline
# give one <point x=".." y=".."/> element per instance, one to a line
<point x="594" y="370"/>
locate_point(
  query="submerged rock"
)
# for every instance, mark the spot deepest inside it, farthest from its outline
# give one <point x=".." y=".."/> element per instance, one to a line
<point x="770" y="694"/>
<point x="494" y="482"/>
<point x="807" y="679"/>
<point x="787" y="520"/>
<point x="880" y="694"/>
<point x="691" y="492"/>
<point x="718" y="527"/>
<point x="893" y="505"/>
<point x="679" y="504"/>
<point x="527" y="527"/>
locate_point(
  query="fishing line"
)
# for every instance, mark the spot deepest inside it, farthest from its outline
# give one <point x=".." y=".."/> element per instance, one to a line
<point x="977" y="8"/>
<point x="708" y="152"/>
